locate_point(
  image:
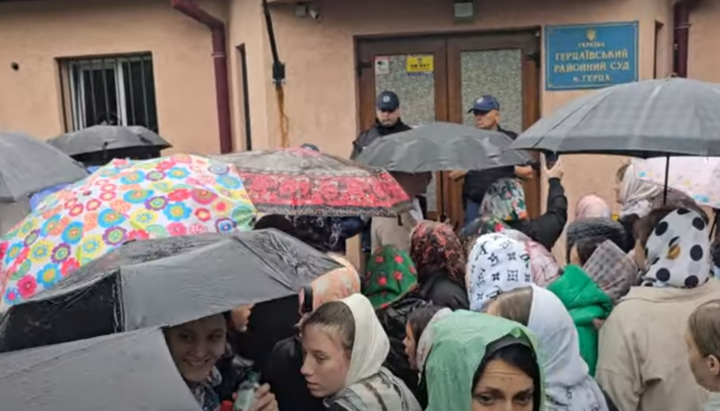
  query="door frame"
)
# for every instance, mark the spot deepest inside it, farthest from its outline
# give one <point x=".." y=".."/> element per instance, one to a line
<point x="368" y="49"/>
<point x="446" y="47"/>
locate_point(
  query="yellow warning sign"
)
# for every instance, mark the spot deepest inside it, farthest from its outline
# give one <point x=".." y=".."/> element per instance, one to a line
<point x="420" y="64"/>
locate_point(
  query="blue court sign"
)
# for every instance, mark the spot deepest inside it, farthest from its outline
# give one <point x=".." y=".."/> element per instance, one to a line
<point x="590" y="56"/>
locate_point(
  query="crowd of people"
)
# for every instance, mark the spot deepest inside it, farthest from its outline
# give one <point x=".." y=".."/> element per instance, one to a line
<point x="488" y="319"/>
<point x="484" y="317"/>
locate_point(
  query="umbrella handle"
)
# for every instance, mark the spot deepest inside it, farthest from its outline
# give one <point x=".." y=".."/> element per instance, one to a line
<point x="667" y="177"/>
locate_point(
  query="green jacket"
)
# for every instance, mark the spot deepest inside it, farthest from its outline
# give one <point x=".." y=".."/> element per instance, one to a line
<point x="585" y="301"/>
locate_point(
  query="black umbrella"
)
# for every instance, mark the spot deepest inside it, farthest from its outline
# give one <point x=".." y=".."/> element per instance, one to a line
<point x="28" y="165"/>
<point x="442" y="147"/>
<point x="163" y="283"/>
<point x="121" y="372"/>
<point x="110" y="142"/>
<point x="653" y="118"/>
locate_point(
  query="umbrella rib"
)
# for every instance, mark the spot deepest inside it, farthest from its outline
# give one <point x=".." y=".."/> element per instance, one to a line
<point x="261" y="258"/>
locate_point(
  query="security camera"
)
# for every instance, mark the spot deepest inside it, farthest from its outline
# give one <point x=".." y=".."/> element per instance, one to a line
<point x="314" y="13"/>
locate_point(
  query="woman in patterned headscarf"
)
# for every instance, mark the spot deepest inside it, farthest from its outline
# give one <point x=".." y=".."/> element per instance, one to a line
<point x="390" y="283"/>
<point x="440" y="261"/>
<point x="543" y="265"/>
<point x="497" y="264"/>
<point x="673" y="243"/>
<point x="505" y="201"/>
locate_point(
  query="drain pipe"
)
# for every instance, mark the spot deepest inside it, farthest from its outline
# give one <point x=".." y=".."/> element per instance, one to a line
<point x="222" y="87"/>
<point x="681" y="16"/>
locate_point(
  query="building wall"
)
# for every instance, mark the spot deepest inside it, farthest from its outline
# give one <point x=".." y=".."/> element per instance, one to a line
<point x="704" y="52"/>
<point x="35" y="34"/>
<point x="321" y="91"/>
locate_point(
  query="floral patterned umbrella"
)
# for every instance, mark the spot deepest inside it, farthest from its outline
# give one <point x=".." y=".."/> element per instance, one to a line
<point x="122" y="201"/>
<point x="695" y="176"/>
<point x="299" y="181"/>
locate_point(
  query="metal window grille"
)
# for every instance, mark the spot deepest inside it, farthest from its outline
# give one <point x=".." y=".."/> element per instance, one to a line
<point x="115" y="90"/>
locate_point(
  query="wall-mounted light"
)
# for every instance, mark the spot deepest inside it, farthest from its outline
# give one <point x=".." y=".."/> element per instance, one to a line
<point x="303" y="10"/>
<point x="464" y="10"/>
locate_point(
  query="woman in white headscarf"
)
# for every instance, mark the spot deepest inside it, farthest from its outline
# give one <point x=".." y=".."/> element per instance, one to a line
<point x="568" y="385"/>
<point x="345" y="347"/>
<point x="496" y="264"/>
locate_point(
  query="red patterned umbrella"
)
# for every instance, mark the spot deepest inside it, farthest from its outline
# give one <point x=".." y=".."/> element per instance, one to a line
<point x="298" y="181"/>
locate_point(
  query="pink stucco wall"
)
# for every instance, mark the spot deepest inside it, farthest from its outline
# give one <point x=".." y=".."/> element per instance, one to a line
<point x="35" y="34"/>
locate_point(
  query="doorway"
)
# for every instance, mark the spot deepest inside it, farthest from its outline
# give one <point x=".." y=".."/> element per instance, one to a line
<point x="438" y="77"/>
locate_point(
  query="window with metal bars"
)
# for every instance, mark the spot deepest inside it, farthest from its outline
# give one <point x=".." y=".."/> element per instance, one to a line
<point x="111" y="90"/>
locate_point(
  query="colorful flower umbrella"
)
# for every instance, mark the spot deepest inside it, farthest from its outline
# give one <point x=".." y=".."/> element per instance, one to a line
<point x="299" y="181"/>
<point x="123" y="201"/>
<point x="695" y="176"/>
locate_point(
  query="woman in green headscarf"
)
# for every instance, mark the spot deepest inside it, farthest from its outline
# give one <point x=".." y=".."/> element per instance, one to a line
<point x="481" y="363"/>
<point x="390" y="283"/>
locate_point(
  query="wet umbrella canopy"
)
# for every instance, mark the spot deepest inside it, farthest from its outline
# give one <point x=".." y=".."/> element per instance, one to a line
<point x="114" y="141"/>
<point x="163" y="282"/>
<point x="442" y="147"/>
<point x="301" y="181"/>
<point x="645" y="119"/>
<point x="28" y="165"/>
<point x="122" y="372"/>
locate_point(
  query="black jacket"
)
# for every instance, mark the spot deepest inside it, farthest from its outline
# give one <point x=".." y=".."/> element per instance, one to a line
<point x="394" y="319"/>
<point x="438" y="289"/>
<point x="286" y="382"/>
<point x="547" y="228"/>
<point x="477" y="182"/>
<point x="375" y="132"/>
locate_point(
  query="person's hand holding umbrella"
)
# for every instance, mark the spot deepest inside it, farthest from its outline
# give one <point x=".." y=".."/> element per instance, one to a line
<point x="557" y="171"/>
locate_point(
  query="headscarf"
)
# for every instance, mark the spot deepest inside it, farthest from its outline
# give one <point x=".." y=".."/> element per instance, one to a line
<point x="496" y="264"/>
<point x="505" y="200"/>
<point x="390" y="275"/>
<point x="592" y="206"/>
<point x="678" y="251"/>
<point x="484" y="224"/>
<point x="636" y="195"/>
<point x="612" y="270"/>
<point x="425" y="342"/>
<point x="461" y="343"/>
<point x="436" y="245"/>
<point x="371" y="345"/>
<point x="568" y="384"/>
<point x="334" y="285"/>
<point x="598" y="227"/>
<point x="543" y="265"/>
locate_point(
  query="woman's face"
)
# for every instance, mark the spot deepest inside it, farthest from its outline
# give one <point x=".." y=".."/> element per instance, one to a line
<point x="241" y="317"/>
<point x="705" y="369"/>
<point x="326" y="361"/>
<point x="196" y="346"/>
<point x="410" y="347"/>
<point x="503" y="387"/>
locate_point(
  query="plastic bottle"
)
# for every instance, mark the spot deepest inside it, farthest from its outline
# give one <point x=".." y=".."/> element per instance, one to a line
<point x="246" y="392"/>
